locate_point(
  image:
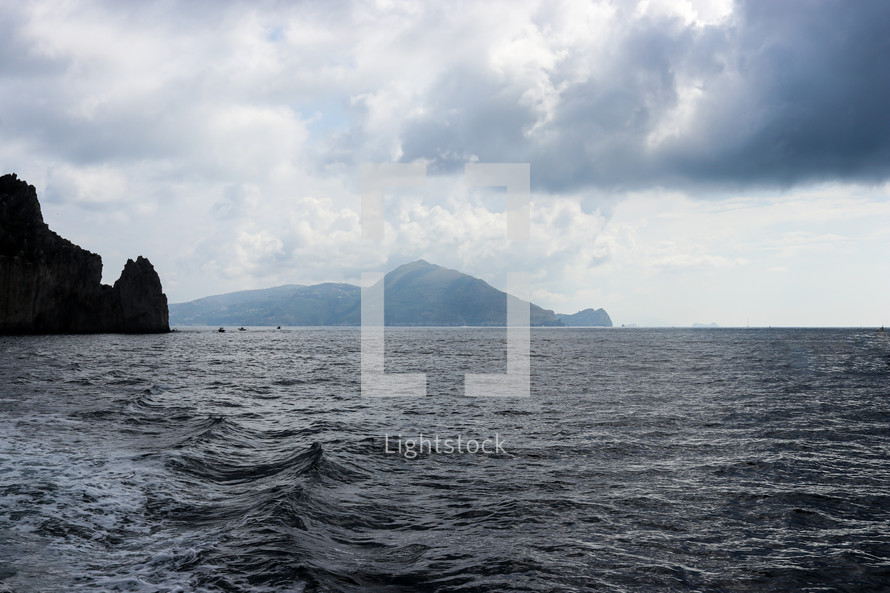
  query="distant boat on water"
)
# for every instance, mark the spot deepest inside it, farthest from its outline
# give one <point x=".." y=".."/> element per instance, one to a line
<point x="221" y="330"/>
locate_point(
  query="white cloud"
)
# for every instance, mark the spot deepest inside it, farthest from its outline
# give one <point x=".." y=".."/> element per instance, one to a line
<point x="225" y="145"/>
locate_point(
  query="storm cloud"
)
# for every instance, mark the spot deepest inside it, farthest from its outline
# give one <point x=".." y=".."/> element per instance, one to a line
<point x="591" y="94"/>
<point x="776" y="94"/>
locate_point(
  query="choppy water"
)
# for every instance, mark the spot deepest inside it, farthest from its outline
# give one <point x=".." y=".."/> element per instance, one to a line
<point x="645" y="460"/>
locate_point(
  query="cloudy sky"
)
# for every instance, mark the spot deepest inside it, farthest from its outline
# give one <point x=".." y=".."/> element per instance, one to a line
<point x="691" y="161"/>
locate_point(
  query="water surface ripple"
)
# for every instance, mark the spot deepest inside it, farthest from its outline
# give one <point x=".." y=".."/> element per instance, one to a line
<point x="645" y="460"/>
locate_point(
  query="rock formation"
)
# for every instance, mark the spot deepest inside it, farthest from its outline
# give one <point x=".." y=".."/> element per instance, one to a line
<point x="50" y="285"/>
<point x="587" y="318"/>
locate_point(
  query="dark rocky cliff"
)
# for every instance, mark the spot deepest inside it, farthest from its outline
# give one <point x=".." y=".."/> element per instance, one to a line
<point x="50" y="285"/>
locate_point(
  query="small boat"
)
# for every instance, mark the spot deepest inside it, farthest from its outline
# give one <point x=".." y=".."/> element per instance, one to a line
<point x="242" y="329"/>
<point x="221" y="330"/>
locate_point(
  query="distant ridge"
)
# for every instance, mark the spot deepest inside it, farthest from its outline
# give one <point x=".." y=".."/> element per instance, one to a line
<point x="417" y="294"/>
<point x="292" y="304"/>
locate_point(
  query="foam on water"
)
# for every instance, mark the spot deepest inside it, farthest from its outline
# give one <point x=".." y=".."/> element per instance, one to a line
<point x="719" y="460"/>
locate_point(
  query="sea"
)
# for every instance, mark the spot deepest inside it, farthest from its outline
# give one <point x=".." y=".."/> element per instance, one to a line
<point x="248" y="461"/>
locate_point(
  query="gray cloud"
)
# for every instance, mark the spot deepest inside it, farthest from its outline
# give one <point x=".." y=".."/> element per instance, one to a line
<point x="774" y="95"/>
<point x="813" y="102"/>
<point x="470" y="116"/>
<point x="788" y="92"/>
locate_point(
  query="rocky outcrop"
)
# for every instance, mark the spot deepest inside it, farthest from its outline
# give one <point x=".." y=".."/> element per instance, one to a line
<point x="587" y="318"/>
<point x="50" y="285"/>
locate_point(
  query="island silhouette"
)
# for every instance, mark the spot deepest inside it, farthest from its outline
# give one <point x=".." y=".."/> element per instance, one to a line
<point x="416" y="294"/>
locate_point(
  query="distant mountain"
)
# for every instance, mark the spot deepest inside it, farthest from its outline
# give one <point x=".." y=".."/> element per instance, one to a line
<point x="292" y="304"/>
<point x="587" y="318"/>
<point x="416" y="294"/>
<point x="421" y="293"/>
